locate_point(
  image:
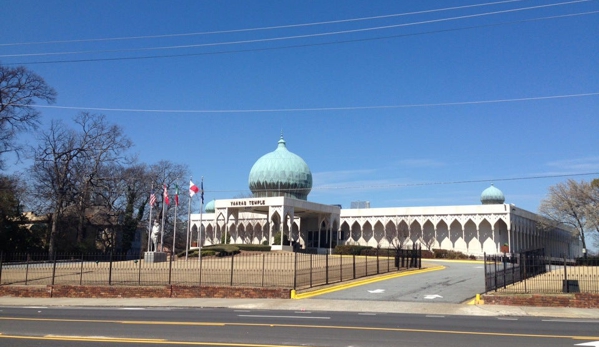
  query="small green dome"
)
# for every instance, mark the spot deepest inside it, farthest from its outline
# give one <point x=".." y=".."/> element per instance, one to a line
<point x="491" y="196"/>
<point x="281" y="173"/>
<point x="209" y="208"/>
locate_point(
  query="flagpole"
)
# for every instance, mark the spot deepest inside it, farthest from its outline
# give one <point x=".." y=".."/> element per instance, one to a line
<point x="162" y="229"/>
<point x="150" y="217"/>
<point x="200" y="230"/>
<point x="188" y="222"/>
<point x="175" y="222"/>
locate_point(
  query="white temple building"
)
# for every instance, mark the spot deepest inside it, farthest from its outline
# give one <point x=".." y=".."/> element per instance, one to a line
<point x="280" y="182"/>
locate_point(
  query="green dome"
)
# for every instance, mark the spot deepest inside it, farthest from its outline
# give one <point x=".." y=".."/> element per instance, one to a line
<point x="209" y="208"/>
<point x="492" y="195"/>
<point x="281" y="173"/>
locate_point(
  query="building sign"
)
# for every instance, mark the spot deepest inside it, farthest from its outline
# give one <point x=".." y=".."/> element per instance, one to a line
<point x="248" y="203"/>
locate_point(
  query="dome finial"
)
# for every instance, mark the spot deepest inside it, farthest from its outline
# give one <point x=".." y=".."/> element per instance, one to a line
<point x="281" y="140"/>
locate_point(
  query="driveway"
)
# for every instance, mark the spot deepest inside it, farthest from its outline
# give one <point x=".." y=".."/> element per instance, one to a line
<point x="460" y="281"/>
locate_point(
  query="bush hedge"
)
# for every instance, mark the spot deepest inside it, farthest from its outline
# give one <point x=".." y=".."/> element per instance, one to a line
<point x="351" y="249"/>
<point x="447" y="254"/>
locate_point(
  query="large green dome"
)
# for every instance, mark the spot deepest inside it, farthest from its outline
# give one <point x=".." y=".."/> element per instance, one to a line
<point x="281" y="173"/>
<point x="492" y="196"/>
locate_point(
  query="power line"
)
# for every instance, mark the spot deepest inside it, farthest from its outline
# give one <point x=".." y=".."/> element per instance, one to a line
<point x="303" y="45"/>
<point x="285" y="38"/>
<point x="405" y="185"/>
<point x="260" y="28"/>
<point x="319" y="109"/>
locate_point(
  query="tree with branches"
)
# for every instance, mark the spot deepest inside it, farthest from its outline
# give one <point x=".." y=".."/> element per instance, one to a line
<point x="573" y="204"/>
<point x="19" y="90"/>
<point x="67" y="166"/>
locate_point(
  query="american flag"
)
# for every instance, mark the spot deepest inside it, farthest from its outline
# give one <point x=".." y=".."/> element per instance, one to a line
<point x="152" y="199"/>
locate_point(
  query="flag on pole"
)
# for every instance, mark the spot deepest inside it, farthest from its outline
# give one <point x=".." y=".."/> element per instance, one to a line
<point x="176" y="195"/>
<point x="152" y="199"/>
<point x="202" y="190"/>
<point x="166" y="202"/>
<point x="193" y="189"/>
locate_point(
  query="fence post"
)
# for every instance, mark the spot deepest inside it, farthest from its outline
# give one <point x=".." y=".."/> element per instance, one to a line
<point x="354" y="265"/>
<point x="340" y="267"/>
<point x="377" y="261"/>
<point x="110" y="270"/>
<point x="310" y="270"/>
<point x="366" y="265"/>
<point x="495" y="262"/>
<point x="170" y="269"/>
<point x="139" y="269"/>
<point x="26" y="267"/>
<point x="54" y="268"/>
<point x="485" y="267"/>
<point x="327" y="268"/>
<point x="566" y="277"/>
<point x="294" y="270"/>
<point x="81" y="274"/>
<point x="232" y="257"/>
<point x="263" y="269"/>
<point x="420" y="257"/>
<point x="1" y="257"/>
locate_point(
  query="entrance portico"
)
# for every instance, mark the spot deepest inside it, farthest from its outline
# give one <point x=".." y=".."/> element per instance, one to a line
<point x="309" y="224"/>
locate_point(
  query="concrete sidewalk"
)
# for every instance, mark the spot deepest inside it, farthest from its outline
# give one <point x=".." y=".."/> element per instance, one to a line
<point x="313" y="305"/>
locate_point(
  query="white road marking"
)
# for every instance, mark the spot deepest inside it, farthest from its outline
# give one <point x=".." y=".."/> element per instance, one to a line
<point x="367" y="314"/>
<point x="432" y="296"/>
<point x="376" y="291"/>
<point x="297" y="317"/>
<point x="504" y="318"/>
<point x="570" y="321"/>
<point x="132" y="308"/>
<point x="434" y="316"/>
<point x="592" y="343"/>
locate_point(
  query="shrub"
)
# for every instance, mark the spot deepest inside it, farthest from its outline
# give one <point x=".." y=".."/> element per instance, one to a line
<point x="447" y="254"/>
<point x="253" y="248"/>
<point x="352" y="250"/>
<point x="277" y="239"/>
<point x="426" y="254"/>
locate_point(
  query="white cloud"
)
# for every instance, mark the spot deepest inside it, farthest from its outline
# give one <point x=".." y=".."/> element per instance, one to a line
<point x="588" y="164"/>
<point x="420" y="163"/>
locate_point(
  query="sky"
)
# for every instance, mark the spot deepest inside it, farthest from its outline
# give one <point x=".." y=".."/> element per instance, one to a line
<point x="399" y="103"/>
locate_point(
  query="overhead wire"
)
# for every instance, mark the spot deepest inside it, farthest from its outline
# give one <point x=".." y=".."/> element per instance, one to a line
<point x="259" y="28"/>
<point x="301" y="45"/>
<point x="293" y="37"/>
<point x="420" y="184"/>
<point x="316" y="109"/>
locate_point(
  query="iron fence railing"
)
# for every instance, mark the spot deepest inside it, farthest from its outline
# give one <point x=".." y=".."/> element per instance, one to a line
<point x="252" y="269"/>
<point x="534" y="272"/>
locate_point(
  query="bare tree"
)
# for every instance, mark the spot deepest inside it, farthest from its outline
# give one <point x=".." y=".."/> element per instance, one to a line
<point x="67" y="164"/>
<point x="19" y="89"/>
<point x="105" y="145"/>
<point x="570" y="204"/>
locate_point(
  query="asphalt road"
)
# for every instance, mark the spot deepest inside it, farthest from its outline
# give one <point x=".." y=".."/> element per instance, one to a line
<point x="457" y="283"/>
<point x="38" y="326"/>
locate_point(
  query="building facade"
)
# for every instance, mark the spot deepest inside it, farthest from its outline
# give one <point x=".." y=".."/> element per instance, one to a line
<point x="280" y="182"/>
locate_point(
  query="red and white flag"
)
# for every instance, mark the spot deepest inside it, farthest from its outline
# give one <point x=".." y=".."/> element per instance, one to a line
<point x="193" y="189"/>
<point x="165" y="195"/>
<point x="152" y="199"/>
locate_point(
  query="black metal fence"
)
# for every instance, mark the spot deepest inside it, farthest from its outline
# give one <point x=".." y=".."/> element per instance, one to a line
<point x="270" y="269"/>
<point x="534" y="272"/>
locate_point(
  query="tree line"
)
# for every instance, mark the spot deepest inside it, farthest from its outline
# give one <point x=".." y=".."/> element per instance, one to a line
<point x="88" y="190"/>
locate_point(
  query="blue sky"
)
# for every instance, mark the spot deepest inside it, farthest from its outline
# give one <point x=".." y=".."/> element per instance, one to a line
<point x="478" y="95"/>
